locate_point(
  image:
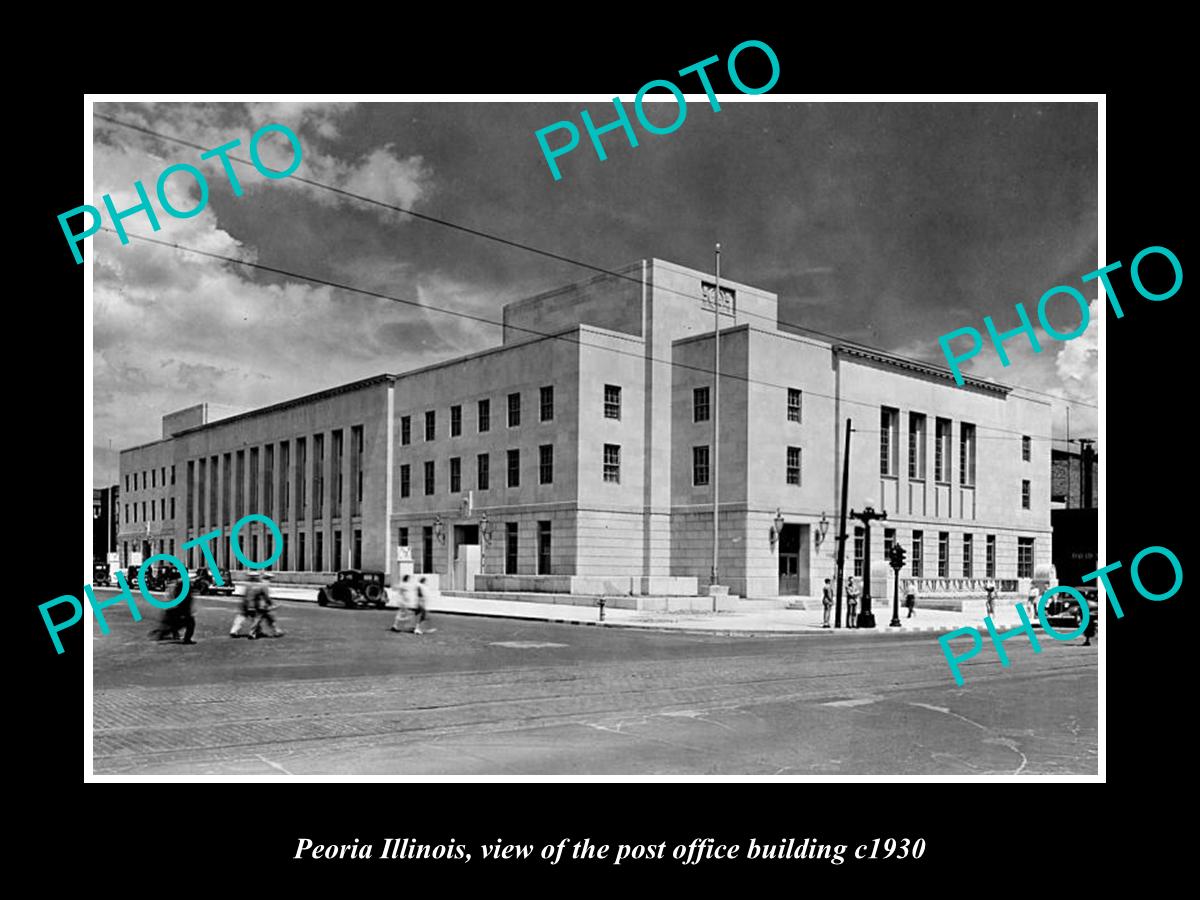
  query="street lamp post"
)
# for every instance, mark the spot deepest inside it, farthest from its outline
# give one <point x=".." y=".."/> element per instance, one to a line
<point x="866" y="618"/>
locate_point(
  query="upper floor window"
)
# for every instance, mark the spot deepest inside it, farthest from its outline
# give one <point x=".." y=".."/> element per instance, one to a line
<point x="941" y="451"/>
<point x="546" y="464"/>
<point x="430" y="425"/>
<point x="546" y="407"/>
<point x="455" y="420"/>
<point x="1025" y="493"/>
<point x="889" y="424"/>
<point x="514" y="410"/>
<point x="1026" y="448"/>
<point x="405" y="430"/>
<point x="793" y="465"/>
<point x="916" y="446"/>
<point x="485" y="415"/>
<point x="514" y="468"/>
<point x="793" y="408"/>
<point x="700" y="466"/>
<point x="612" y="401"/>
<point x="700" y="404"/>
<point x="966" y="454"/>
<point x="612" y="463"/>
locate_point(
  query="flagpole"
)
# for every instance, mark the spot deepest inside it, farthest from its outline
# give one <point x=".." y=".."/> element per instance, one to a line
<point x="716" y="454"/>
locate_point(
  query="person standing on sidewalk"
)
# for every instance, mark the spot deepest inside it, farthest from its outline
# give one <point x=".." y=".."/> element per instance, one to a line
<point x="851" y="602"/>
<point x="990" y="588"/>
<point x="910" y="601"/>
<point x="827" y="599"/>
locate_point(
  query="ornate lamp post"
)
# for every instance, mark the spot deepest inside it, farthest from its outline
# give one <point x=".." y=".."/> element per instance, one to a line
<point x="866" y="618"/>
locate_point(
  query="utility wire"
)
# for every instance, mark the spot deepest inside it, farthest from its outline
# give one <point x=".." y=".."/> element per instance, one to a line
<point x="483" y="319"/>
<point x="776" y="321"/>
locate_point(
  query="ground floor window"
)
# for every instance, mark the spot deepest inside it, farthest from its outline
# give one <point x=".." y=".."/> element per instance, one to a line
<point x="991" y="556"/>
<point x="510" y="548"/>
<point x="543" y="548"/>
<point x="943" y="554"/>
<point x="918" y="554"/>
<point x="357" y="548"/>
<point x="968" y="553"/>
<point x="427" y="548"/>
<point x="1024" y="557"/>
<point x="859" y="540"/>
<point x="301" y="561"/>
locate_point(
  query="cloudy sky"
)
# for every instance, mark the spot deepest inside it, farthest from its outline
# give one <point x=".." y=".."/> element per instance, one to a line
<point x="889" y="224"/>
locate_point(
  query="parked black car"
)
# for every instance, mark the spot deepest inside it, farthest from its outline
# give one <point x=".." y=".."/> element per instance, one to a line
<point x="156" y="578"/>
<point x="100" y="575"/>
<point x="355" y="589"/>
<point x="203" y="583"/>
<point x="1063" y="612"/>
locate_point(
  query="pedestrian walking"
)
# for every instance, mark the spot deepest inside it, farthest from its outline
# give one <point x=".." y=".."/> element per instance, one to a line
<point x="851" y="602"/>
<point x="910" y="601"/>
<point x="1090" y="631"/>
<point x="264" y="609"/>
<point x="827" y="599"/>
<point x="406" y="615"/>
<point x="172" y="619"/>
<point x="425" y="590"/>
<point x="1034" y="596"/>
<point x="990" y="589"/>
<point x="247" y="612"/>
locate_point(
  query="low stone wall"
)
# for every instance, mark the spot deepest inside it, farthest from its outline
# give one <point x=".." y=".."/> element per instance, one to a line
<point x="587" y="585"/>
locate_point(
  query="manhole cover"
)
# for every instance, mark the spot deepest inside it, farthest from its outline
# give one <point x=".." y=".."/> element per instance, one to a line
<point x="525" y="645"/>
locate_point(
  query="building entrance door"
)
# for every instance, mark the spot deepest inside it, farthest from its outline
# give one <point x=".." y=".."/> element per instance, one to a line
<point x="789" y="561"/>
<point x="466" y="557"/>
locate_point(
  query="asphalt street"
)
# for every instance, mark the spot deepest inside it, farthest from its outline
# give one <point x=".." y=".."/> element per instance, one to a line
<point x="340" y="694"/>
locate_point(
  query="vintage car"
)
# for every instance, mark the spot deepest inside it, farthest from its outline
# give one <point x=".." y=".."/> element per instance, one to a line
<point x="354" y="589"/>
<point x="1063" y="612"/>
<point x="203" y="583"/>
<point x="156" y="577"/>
<point x="100" y="575"/>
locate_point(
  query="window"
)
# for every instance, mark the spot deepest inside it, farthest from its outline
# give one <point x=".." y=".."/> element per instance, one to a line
<point x="546" y="464"/>
<point x="543" y="548"/>
<point x="943" y="554"/>
<point x="860" y="539"/>
<point x="918" y="554"/>
<point x="402" y="536"/>
<point x="427" y="548"/>
<point x="455" y="474"/>
<point x="302" y="559"/>
<point x="455" y="421"/>
<point x="612" y="401"/>
<point x="968" y="556"/>
<point x="337" y="549"/>
<point x="356" y="469"/>
<point x="162" y="508"/>
<point x="481" y="471"/>
<point x="405" y="480"/>
<point x="888" y="424"/>
<point x="127" y="482"/>
<point x="318" y="479"/>
<point x="916" y="446"/>
<point x="336" y="464"/>
<point x="1025" y="492"/>
<point x="793" y="465"/>
<point x="612" y="463"/>
<point x="357" y="563"/>
<point x="941" y="452"/>
<point x="1024" y="557"/>
<point x="283" y="562"/>
<point x="429" y="474"/>
<point x="172" y="507"/>
<point x="201" y="471"/>
<point x="991" y="556"/>
<point x="510" y="548"/>
<point x="172" y="476"/>
<point x="514" y="468"/>
<point x="319" y="552"/>
<point x="793" y="409"/>
<point x="700" y="466"/>
<point x="191" y="495"/>
<point x="889" y="541"/>
<point x="269" y="478"/>
<point x="700" y="404"/>
<point x="1026" y="448"/>
<point x="285" y="462"/>
<point x="212" y="490"/>
<point x="430" y="424"/>
<point x="966" y="455"/>
<point x="547" y="403"/>
<point x="153" y="478"/>
<point x="405" y="430"/>
<point x="301" y="481"/>
<point x="485" y="415"/>
<point x="514" y="410"/>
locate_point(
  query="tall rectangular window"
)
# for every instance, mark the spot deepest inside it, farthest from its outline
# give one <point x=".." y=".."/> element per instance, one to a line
<point x="700" y="408"/>
<point x="318" y="478"/>
<point x="319" y="551"/>
<point x="889" y="541"/>
<point x="1025" y="493"/>
<point x="889" y="423"/>
<point x="212" y="490"/>
<point x="941" y="451"/>
<point x="968" y="556"/>
<point x="793" y="465"/>
<point x="172" y="506"/>
<point x="543" y="548"/>
<point x="510" y="548"/>
<point x="226" y="487"/>
<point x="201" y="478"/>
<point x="700" y="465"/>
<point x="153" y="478"/>
<point x="405" y="480"/>
<point x="285" y="480"/>
<point x="239" y="484"/>
<point x="455" y="420"/>
<point x="860" y="540"/>
<point x="127" y="482"/>
<point x="429" y="477"/>
<point x="427" y="548"/>
<point x="793" y="407"/>
<point x="191" y="495"/>
<point x="302" y="555"/>
<point x="283" y="559"/>
<point x="1025" y="557"/>
<point x="943" y="554"/>
<point x="455" y="474"/>
<point x="918" y="554"/>
<point x="990" y="561"/>
<point x="269" y="481"/>
<point x="546" y="464"/>
<point x="301" y="481"/>
<point x="1026" y="448"/>
<point x="405" y="430"/>
<point x="172" y="475"/>
<point x="612" y="463"/>
<point x="481" y="471"/>
<point x="402" y="536"/>
<point x="431" y="425"/>
<point x="356" y="469"/>
<point x="338" y="452"/>
<point x="966" y="454"/>
<point x="514" y="468"/>
<point x="336" y="559"/>
<point x="357" y="562"/>
<point x="485" y="415"/>
<point x="546" y="406"/>
<point x="514" y="410"/>
<point x="916" y="446"/>
<point x="612" y="401"/>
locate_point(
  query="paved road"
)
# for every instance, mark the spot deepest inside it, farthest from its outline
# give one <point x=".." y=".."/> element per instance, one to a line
<point x="340" y="694"/>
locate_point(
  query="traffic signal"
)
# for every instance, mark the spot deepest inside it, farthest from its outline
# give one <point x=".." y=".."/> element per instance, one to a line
<point x="897" y="555"/>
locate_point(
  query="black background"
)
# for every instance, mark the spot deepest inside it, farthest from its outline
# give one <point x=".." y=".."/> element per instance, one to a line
<point x="246" y="834"/>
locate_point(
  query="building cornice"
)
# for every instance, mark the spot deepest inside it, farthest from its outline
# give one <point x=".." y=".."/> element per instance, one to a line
<point x="913" y="365"/>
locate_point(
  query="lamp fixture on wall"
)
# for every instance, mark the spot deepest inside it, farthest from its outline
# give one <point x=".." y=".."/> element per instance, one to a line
<point x="777" y="528"/>
<point x="822" y="530"/>
<point x="439" y="529"/>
